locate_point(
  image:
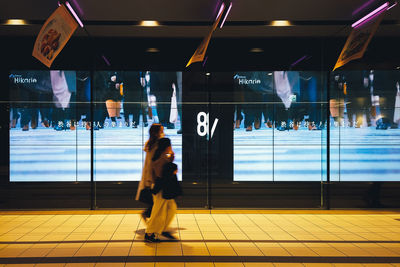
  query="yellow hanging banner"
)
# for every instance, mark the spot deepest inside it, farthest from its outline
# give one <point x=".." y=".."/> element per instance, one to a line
<point x="358" y="41"/>
<point x="54" y="35"/>
<point x="200" y="52"/>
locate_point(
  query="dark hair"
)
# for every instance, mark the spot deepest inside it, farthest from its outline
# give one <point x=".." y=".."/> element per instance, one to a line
<point x="163" y="144"/>
<point x="154" y="133"/>
<point x="169" y="169"/>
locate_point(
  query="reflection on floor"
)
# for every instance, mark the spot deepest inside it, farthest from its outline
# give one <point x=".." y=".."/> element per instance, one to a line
<point x="362" y="154"/>
<point x="47" y="155"/>
<point x="103" y="238"/>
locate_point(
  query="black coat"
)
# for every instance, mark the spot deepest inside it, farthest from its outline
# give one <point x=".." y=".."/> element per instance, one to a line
<point x="133" y="90"/>
<point x="169" y="185"/>
<point x="168" y="182"/>
<point x="100" y="85"/>
<point x="161" y="85"/>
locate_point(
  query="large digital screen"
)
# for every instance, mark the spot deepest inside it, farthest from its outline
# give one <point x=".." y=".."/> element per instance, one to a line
<point x="258" y="126"/>
<point x="50" y="123"/>
<point x="364" y="120"/>
<point x="279" y="122"/>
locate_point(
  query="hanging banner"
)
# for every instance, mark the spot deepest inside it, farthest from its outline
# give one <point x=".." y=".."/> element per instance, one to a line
<point x="54" y="35"/>
<point x="200" y="52"/>
<point x="358" y="41"/>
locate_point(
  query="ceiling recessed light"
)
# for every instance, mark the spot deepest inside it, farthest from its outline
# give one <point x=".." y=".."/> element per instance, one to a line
<point x="280" y="23"/>
<point x="149" y="23"/>
<point x="16" y="22"/>
<point x="208" y="74"/>
<point x="152" y="50"/>
<point x="256" y="50"/>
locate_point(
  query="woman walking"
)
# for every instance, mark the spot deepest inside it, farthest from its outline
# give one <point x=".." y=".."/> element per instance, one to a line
<point x="164" y="207"/>
<point x="156" y="132"/>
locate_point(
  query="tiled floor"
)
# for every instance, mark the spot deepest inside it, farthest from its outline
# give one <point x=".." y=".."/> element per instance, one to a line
<point x="216" y="239"/>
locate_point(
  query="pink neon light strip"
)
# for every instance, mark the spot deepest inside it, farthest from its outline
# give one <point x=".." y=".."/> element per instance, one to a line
<point x="376" y="11"/>
<point x="392" y="6"/>
<point x="74" y="14"/>
<point x="226" y="15"/>
<point x="220" y="10"/>
<point x="363" y="7"/>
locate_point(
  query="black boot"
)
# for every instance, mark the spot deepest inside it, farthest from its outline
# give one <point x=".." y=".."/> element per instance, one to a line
<point x="151" y="238"/>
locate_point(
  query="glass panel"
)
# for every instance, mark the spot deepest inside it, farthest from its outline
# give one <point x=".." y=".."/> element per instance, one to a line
<point x="47" y="143"/>
<point x="44" y="137"/>
<point x="300" y="119"/>
<point x="369" y="137"/>
<point x="195" y="146"/>
<point x="253" y="119"/>
<point x="336" y="111"/>
<point x="127" y="103"/>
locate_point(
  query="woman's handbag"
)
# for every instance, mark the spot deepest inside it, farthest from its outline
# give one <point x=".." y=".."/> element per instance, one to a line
<point x="146" y="196"/>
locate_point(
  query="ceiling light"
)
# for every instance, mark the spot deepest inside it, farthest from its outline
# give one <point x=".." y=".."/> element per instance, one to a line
<point x="208" y="74"/>
<point x="149" y="23"/>
<point x="226" y="15"/>
<point x="220" y="10"/>
<point x="280" y="23"/>
<point x="106" y="60"/>
<point x="152" y="50"/>
<point x="256" y="50"/>
<point x="74" y="14"/>
<point x="299" y="60"/>
<point x="392" y="6"/>
<point x="16" y="22"/>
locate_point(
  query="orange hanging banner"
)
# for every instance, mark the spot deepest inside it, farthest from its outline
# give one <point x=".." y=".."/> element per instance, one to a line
<point x="200" y="52"/>
<point x="358" y="41"/>
<point x="54" y="35"/>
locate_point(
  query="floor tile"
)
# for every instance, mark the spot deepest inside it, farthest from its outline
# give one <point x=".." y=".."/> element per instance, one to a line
<point x="86" y="264"/>
<point x="199" y="264"/>
<point x="348" y="265"/>
<point x="199" y="249"/>
<point x="50" y="265"/>
<point x="377" y="265"/>
<point x="228" y="264"/>
<point x="62" y="252"/>
<point x="318" y="264"/>
<point x="110" y="264"/>
<point x="170" y="264"/>
<point x="258" y="264"/>
<point x="284" y="264"/>
<point x="140" y="264"/>
<point x="143" y="249"/>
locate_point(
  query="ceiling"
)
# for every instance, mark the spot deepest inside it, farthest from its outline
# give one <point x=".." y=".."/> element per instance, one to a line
<point x="191" y="18"/>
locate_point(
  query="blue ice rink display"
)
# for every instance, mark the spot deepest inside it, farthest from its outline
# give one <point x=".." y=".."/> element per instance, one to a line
<point x="363" y="154"/>
<point x="44" y="155"/>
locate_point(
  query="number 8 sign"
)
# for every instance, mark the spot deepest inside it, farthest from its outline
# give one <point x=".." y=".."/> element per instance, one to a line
<point x="203" y="124"/>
